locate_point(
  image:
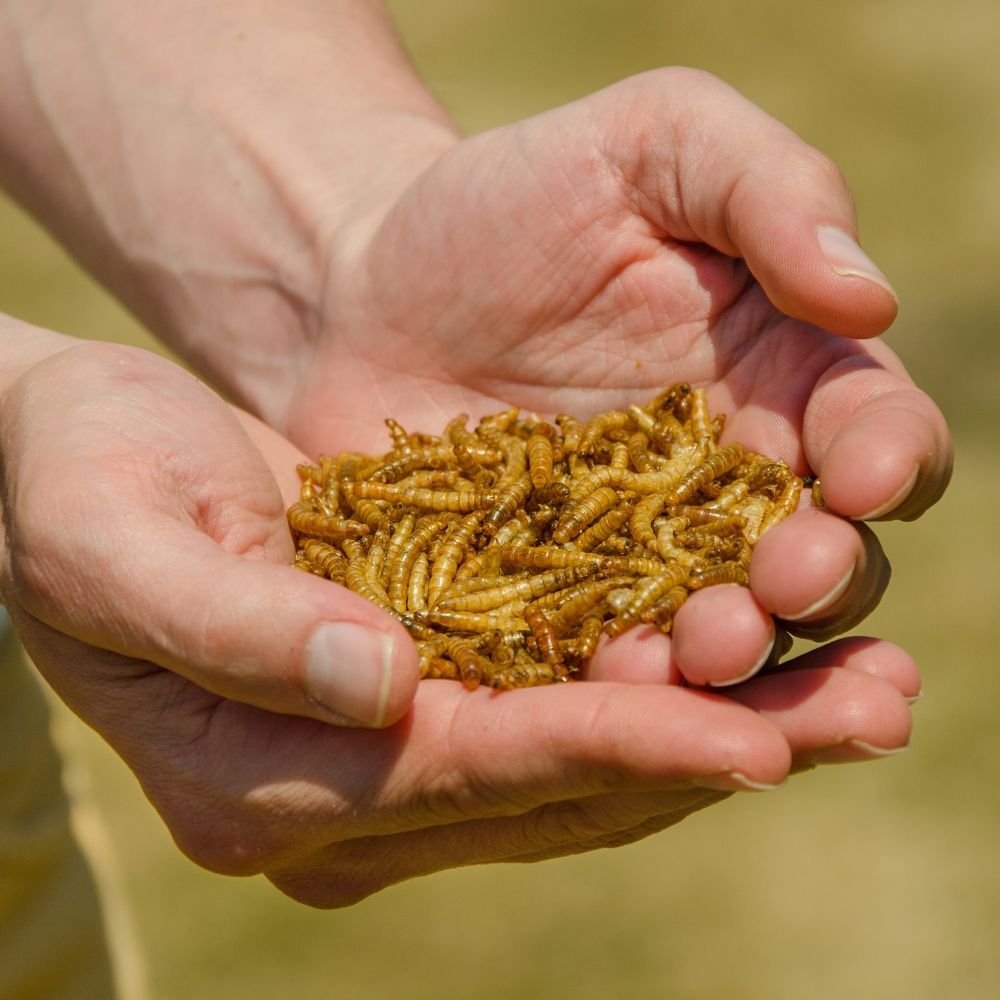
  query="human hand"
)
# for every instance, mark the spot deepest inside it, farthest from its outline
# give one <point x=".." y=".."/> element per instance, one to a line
<point x="661" y="230"/>
<point x="146" y="568"/>
<point x="357" y="260"/>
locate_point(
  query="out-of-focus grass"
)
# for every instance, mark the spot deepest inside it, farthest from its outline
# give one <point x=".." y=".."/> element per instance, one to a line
<point x="874" y="881"/>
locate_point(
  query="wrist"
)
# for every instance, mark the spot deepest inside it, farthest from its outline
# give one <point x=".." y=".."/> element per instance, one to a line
<point x="207" y="162"/>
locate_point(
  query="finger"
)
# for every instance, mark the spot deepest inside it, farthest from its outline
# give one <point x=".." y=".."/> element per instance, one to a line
<point x="830" y="714"/>
<point x="721" y="636"/>
<point x="874" y="657"/>
<point x="880" y="445"/>
<point x="640" y="655"/>
<point x="818" y="573"/>
<point x="711" y="167"/>
<point x="818" y="712"/>
<point x="246" y="629"/>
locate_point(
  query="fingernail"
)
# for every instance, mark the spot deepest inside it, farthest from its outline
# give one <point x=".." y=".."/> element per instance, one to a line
<point x="826" y="601"/>
<point x="851" y="751"/>
<point x="729" y="682"/>
<point x="894" y="501"/>
<point x="847" y="258"/>
<point x="914" y="698"/>
<point x="349" y="671"/>
<point x="732" y="781"/>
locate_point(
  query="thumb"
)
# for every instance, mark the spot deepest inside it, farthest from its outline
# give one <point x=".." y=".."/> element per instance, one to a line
<point x="715" y="168"/>
<point x="279" y="638"/>
<point x="245" y="629"/>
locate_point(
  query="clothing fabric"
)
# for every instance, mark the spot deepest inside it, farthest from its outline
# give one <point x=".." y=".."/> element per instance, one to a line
<point x="54" y="943"/>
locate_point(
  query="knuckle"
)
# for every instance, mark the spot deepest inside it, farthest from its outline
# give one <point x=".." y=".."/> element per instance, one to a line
<point x="820" y="167"/>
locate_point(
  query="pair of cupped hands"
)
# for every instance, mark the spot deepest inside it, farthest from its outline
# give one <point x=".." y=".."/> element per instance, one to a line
<point x="573" y="262"/>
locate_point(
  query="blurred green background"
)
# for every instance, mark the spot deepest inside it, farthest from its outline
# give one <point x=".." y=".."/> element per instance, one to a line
<point x="853" y="882"/>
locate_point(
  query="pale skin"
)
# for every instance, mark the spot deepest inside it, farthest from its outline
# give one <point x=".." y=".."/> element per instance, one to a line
<point x="331" y="262"/>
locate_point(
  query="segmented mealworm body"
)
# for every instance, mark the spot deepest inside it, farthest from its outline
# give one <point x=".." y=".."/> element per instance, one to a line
<point x="582" y="513"/>
<point x="503" y="508"/>
<point x="602" y="529"/>
<point x="700" y="418"/>
<point x="581" y="599"/>
<point x="546" y="637"/>
<point x="721" y="573"/>
<point x="416" y="586"/>
<point x="638" y="452"/>
<point x="450" y="555"/>
<point x="304" y="520"/>
<point x="715" y="465"/>
<point x="524" y="674"/>
<point x="400" y="439"/>
<point x="767" y="474"/>
<point x="785" y="503"/>
<point x="546" y="557"/>
<point x="662" y="612"/>
<point x="641" y="522"/>
<point x="471" y="665"/>
<point x="526" y="589"/>
<point x="588" y="636"/>
<point x="645" y="594"/>
<point x="455" y="501"/>
<point x="598" y="426"/>
<point x="539" y="452"/>
<point x="470" y="621"/>
<point x="328" y="559"/>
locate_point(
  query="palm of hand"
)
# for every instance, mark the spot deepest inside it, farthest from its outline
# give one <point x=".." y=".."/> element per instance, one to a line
<point x="543" y="285"/>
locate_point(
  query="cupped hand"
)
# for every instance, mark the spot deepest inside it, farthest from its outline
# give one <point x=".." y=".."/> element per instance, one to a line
<point x="146" y="566"/>
<point x="664" y="229"/>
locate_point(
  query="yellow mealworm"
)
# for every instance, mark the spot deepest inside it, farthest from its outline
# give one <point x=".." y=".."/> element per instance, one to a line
<point x="539" y="454"/>
<point x="699" y="417"/>
<point x="580" y="515"/>
<point x="638" y="452"/>
<point x="454" y="501"/>
<point x="416" y="586"/>
<point x="641" y="521"/>
<point x="662" y="612"/>
<point x="451" y="554"/>
<point x="545" y="638"/>
<point x="526" y="589"/>
<point x="602" y="529"/>
<point x="715" y="465"/>
<point x="588" y="636"/>
<point x="546" y="557"/>
<point x="754" y="509"/>
<point x="506" y="504"/>
<point x="580" y="600"/>
<point x="721" y="573"/>
<point x="470" y="621"/>
<point x="817" y="497"/>
<point x="400" y="439"/>
<point x="470" y="663"/>
<point x="785" y="503"/>
<point x="329" y="560"/>
<point x="304" y="520"/>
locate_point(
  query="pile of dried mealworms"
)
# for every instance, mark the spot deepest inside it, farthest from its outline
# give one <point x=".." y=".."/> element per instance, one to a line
<point x="508" y="550"/>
